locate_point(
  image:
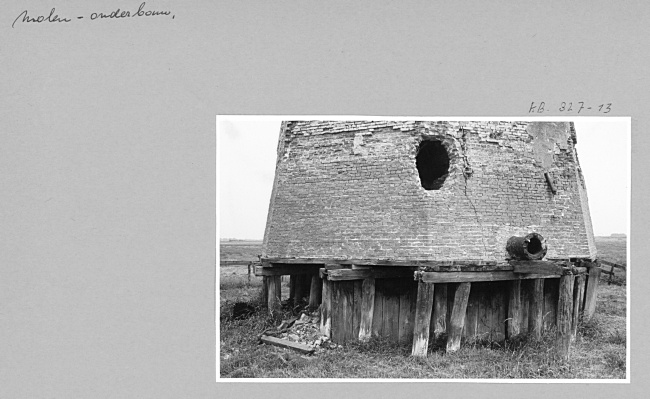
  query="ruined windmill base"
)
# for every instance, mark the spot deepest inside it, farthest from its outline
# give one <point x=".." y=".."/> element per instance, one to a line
<point x="414" y="302"/>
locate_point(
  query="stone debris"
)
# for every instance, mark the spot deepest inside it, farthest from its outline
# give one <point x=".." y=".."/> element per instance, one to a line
<point x="305" y="330"/>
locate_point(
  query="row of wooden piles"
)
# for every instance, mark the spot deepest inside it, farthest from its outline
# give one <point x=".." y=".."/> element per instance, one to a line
<point x="530" y="309"/>
<point x="370" y="302"/>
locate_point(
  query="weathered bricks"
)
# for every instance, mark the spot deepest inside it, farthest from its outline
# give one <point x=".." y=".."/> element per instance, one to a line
<point x="352" y="190"/>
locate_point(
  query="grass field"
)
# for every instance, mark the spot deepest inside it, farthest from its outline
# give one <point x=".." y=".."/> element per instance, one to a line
<point x="599" y="351"/>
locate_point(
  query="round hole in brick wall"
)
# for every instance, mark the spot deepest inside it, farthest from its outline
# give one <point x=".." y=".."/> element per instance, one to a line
<point x="432" y="162"/>
<point x="534" y="246"/>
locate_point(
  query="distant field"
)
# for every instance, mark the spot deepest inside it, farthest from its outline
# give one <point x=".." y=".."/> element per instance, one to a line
<point x="612" y="249"/>
<point x="240" y="250"/>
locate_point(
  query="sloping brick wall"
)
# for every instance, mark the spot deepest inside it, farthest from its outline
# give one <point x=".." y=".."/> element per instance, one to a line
<point x="351" y="190"/>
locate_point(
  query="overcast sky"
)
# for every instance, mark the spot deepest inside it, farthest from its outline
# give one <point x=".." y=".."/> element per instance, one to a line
<point x="246" y="154"/>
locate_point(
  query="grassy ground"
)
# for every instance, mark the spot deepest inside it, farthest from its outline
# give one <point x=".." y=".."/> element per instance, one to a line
<point x="598" y="352"/>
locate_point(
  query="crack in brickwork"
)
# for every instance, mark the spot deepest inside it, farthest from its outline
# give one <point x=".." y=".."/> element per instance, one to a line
<point x="351" y="190"/>
<point x="467" y="173"/>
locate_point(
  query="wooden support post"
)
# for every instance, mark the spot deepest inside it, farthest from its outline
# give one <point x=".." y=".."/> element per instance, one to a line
<point x="536" y="314"/>
<point x="611" y="275"/>
<point x="274" y="295"/>
<point x="326" y="309"/>
<point x="423" y="306"/>
<point x="345" y="310"/>
<point x="564" y="316"/>
<point x="315" y="292"/>
<point x="592" y="291"/>
<point x="514" y="309"/>
<point x="406" y="317"/>
<point x="578" y="292"/>
<point x="440" y="310"/>
<point x="378" y="315"/>
<point x="264" y="296"/>
<point x="367" y="308"/>
<point x="458" y="316"/>
<point x="356" y="308"/>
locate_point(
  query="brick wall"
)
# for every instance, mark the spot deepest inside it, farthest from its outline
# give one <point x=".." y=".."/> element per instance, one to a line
<point x="351" y="190"/>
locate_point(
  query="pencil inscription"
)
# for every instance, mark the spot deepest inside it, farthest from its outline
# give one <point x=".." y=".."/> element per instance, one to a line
<point x="39" y="19"/>
<point x="141" y="11"/>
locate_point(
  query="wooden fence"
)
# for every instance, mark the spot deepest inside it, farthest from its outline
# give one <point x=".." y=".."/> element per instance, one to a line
<point x="249" y="263"/>
<point x="610" y="272"/>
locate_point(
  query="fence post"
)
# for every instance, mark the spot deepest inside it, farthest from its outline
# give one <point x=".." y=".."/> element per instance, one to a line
<point x="611" y="275"/>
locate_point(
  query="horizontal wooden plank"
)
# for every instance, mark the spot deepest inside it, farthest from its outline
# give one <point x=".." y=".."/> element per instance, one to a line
<point x="579" y="270"/>
<point x="283" y="343"/>
<point x="376" y="272"/>
<point x="348" y="274"/>
<point x="608" y="263"/>
<point x="461" y="277"/>
<point x="382" y="262"/>
<point x="469" y="268"/>
<point x="537" y="266"/>
<point x="284" y="270"/>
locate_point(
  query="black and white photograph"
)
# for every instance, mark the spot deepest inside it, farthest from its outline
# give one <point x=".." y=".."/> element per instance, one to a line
<point x="324" y="199"/>
<point x="423" y="248"/>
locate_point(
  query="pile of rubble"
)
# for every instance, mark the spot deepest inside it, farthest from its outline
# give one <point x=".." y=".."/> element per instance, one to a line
<point x="303" y="331"/>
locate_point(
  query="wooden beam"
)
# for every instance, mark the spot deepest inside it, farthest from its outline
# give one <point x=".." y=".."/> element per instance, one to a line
<point x="406" y="318"/>
<point x="284" y="343"/>
<point x="379" y="262"/>
<point x="458" y="316"/>
<point x="390" y="313"/>
<point x="274" y="295"/>
<point x="537" y="267"/>
<point x="564" y="316"/>
<point x="604" y="262"/>
<point x="423" y="306"/>
<point x="315" y="291"/>
<point x="469" y="268"/>
<point x="592" y="292"/>
<point x="283" y="270"/>
<point x="338" y="316"/>
<point x="361" y="274"/>
<point x="264" y="297"/>
<point x="347" y="305"/>
<point x="378" y="315"/>
<point x="514" y="309"/>
<point x="536" y="313"/>
<point x="440" y="310"/>
<point x="326" y="310"/>
<point x="460" y="277"/>
<point x="367" y="308"/>
<point x="551" y="295"/>
<point x="499" y="303"/>
<point x="356" y="308"/>
<point x="549" y="180"/>
<point x="578" y="293"/>
<point x="348" y="274"/>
